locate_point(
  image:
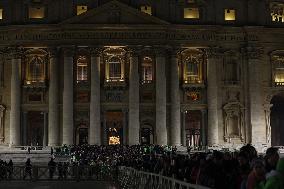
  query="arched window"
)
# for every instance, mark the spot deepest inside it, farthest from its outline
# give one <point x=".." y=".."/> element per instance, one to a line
<point x="192" y="61"/>
<point x="147" y="70"/>
<point x="82" y="69"/>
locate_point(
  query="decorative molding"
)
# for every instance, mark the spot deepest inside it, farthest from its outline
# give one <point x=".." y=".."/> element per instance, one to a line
<point x="253" y="52"/>
<point x="36" y="36"/>
<point x="53" y="52"/>
<point x="16" y="52"/>
<point x="214" y="52"/>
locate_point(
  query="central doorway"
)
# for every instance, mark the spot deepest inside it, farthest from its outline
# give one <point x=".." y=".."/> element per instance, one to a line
<point x="114" y="127"/>
<point x="35" y="128"/>
<point x="277" y="121"/>
<point x="193" y="120"/>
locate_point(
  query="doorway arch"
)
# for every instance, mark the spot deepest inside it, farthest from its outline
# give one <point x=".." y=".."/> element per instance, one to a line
<point x="277" y="120"/>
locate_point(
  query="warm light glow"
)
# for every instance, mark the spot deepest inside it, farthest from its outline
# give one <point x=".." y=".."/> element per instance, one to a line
<point x="1" y="14"/>
<point x="277" y="12"/>
<point x="113" y="140"/>
<point x="191" y="13"/>
<point x="146" y="9"/>
<point x="36" y="12"/>
<point x="230" y="14"/>
<point x="81" y="9"/>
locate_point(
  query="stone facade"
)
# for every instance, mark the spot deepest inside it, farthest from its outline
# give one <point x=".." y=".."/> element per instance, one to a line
<point x="115" y="73"/>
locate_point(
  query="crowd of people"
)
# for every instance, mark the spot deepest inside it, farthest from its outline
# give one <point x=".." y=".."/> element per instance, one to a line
<point x="244" y="169"/>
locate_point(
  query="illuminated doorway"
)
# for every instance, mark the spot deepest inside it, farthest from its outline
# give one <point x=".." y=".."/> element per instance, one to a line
<point x="114" y="128"/>
<point x="277" y="121"/>
<point x="193" y="121"/>
<point x="35" y="128"/>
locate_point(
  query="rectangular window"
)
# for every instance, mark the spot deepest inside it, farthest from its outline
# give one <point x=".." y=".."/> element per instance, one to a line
<point x="81" y="9"/>
<point x="1" y="14"/>
<point x="82" y="72"/>
<point x="146" y="9"/>
<point x="36" y="12"/>
<point x="230" y="14"/>
<point x="191" y="13"/>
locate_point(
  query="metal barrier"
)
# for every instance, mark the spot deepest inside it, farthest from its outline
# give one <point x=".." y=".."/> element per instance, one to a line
<point x="130" y="178"/>
<point x="78" y="173"/>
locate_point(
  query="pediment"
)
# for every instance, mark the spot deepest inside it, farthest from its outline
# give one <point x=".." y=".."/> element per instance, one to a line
<point x="114" y="12"/>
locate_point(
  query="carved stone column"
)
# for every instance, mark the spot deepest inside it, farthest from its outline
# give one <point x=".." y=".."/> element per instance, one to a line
<point x="95" y="101"/>
<point x="183" y="132"/>
<point x="2" y="117"/>
<point x="15" y="118"/>
<point x="175" y="102"/>
<point x="125" y="127"/>
<point x="24" y="127"/>
<point x="256" y="100"/>
<point x="68" y="123"/>
<point x="134" y="125"/>
<point x="203" y="127"/>
<point x="213" y="58"/>
<point x="161" y="98"/>
<point x="45" y="129"/>
<point x="53" y="99"/>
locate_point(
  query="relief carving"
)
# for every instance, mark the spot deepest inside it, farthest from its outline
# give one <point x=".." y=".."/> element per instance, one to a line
<point x="234" y="121"/>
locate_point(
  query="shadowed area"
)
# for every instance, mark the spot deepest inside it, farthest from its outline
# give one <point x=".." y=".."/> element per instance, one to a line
<point x="57" y="185"/>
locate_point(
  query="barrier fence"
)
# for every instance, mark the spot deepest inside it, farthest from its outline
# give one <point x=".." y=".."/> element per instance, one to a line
<point x="129" y="178"/>
<point x="125" y="177"/>
<point x="75" y="172"/>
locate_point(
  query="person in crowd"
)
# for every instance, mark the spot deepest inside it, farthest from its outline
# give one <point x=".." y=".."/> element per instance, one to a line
<point x="275" y="178"/>
<point x="28" y="169"/>
<point x="257" y="175"/>
<point x="10" y="167"/>
<point x="271" y="159"/>
<point x="51" y="168"/>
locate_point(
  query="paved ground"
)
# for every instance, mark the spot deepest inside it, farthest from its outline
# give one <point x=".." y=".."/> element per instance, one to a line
<point x="56" y="185"/>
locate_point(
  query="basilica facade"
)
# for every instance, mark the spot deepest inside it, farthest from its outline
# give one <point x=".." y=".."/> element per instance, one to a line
<point x="178" y="72"/>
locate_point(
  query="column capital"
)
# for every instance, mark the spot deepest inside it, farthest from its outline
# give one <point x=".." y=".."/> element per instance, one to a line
<point x="253" y="52"/>
<point x="214" y="52"/>
<point x="160" y="51"/>
<point x="16" y="52"/>
<point x="68" y="51"/>
<point x="134" y="50"/>
<point x="52" y="52"/>
<point x="175" y="51"/>
<point x="96" y="51"/>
